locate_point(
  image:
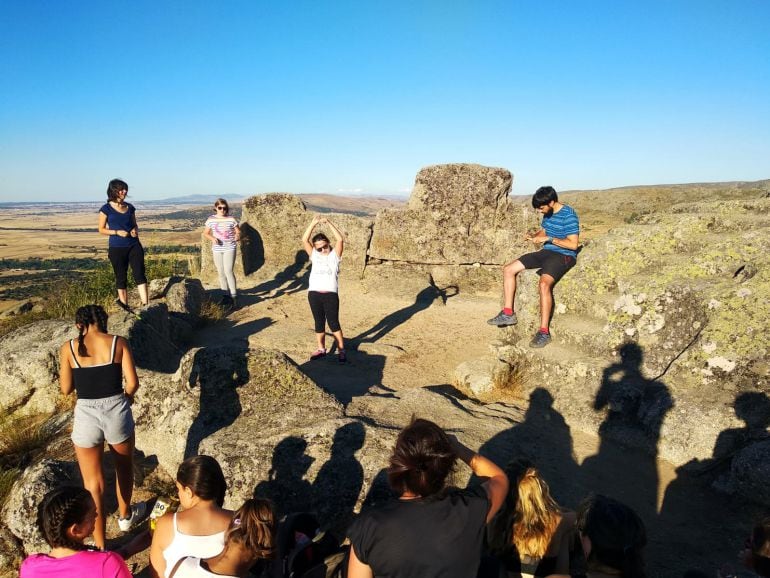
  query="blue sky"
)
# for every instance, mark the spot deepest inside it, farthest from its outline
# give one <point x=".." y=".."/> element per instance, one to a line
<point x="310" y="96"/>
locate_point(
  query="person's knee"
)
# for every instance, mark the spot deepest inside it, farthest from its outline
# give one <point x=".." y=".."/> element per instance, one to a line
<point x="546" y="285"/>
<point x="95" y="485"/>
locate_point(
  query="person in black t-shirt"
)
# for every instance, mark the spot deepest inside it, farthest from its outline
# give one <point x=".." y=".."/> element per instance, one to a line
<point x="430" y="529"/>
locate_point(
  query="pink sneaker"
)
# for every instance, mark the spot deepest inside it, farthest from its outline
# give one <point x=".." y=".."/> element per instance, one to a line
<point x="317" y="354"/>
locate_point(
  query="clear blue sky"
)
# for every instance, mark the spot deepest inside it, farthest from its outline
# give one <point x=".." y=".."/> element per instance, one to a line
<point x="226" y="97"/>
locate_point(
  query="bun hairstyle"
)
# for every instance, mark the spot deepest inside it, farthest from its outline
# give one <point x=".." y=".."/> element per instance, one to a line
<point x="114" y="187"/>
<point x="422" y="459"/>
<point x="59" y="510"/>
<point x="203" y="475"/>
<point x="85" y="316"/>
<point x="617" y="535"/>
<point x="221" y="201"/>
<point x="529" y="517"/>
<point x="253" y="527"/>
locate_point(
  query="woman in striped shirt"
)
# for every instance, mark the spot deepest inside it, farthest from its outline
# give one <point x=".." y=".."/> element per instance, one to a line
<point x="223" y="232"/>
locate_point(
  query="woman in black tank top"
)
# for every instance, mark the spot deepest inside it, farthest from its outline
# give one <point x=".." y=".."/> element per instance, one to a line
<point x="99" y="367"/>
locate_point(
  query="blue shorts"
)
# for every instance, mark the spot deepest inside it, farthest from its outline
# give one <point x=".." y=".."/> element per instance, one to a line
<point x="99" y="420"/>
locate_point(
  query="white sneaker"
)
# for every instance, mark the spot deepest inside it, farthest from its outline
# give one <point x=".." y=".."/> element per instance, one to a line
<point x="137" y="513"/>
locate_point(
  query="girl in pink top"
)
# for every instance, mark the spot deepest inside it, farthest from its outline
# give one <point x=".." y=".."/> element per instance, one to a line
<point x="66" y="518"/>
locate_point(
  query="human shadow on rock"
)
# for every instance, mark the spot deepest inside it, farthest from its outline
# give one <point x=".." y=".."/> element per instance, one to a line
<point x="422" y="301"/>
<point x="218" y="372"/>
<point x="286" y="485"/>
<point x="338" y="483"/>
<point x="625" y="466"/>
<point x="545" y="439"/>
<point x="697" y="521"/>
<point x="292" y="279"/>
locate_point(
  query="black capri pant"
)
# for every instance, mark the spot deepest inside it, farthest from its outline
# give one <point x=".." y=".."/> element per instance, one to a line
<point x="121" y="258"/>
<point x="325" y="308"/>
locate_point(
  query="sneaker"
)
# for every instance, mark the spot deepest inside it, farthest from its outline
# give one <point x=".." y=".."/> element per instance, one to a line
<point x="503" y="320"/>
<point x="540" y="340"/>
<point x="137" y="513"/>
<point x="317" y="354"/>
<point x="341" y="356"/>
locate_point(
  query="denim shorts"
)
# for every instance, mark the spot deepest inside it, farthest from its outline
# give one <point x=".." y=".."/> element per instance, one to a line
<point x="98" y="420"/>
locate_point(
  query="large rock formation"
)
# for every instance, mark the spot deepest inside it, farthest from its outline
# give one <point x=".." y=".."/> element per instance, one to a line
<point x="458" y="214"/>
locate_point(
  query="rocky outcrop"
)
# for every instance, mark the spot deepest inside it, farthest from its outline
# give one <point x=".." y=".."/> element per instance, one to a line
<point x="458" y="214"/>
<point x="659" y="327"/>
<point x="750" y="471"/>
<point x="29" y="366"/>
<point x="20" y="511"/>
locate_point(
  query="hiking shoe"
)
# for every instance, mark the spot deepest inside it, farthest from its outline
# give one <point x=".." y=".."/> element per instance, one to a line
<point x="137" y="513"/>
<point x="317" y="354"/>
<point x="342" y="357"/>
<point x="540" y="340"/>
<point x="503" y="320"/>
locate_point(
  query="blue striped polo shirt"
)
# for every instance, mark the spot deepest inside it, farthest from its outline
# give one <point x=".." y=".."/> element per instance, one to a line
<point x="558" y="226"/>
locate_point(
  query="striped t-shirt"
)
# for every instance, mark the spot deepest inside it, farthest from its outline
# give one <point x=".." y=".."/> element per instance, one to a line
<point x="558" y="226"/>
<point x="222" y="228"/>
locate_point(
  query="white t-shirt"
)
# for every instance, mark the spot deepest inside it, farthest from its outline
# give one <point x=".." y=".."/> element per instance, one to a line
<point x="324" y="271"/>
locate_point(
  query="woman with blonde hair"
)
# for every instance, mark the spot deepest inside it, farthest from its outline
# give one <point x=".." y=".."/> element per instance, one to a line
<point x="249" y="539"/>
<point x="532" y="535"/>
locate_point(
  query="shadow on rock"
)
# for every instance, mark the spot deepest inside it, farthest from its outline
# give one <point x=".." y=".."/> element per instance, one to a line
<point x="286" y="485"/>
<point x="292" y="279"/>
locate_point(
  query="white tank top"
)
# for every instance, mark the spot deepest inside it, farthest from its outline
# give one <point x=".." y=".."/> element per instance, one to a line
<point x="186" y="545"/>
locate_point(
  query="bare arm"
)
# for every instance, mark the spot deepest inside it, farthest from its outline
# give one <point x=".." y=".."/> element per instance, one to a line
<point x="65" y="370"/>
<point x="208" y="234"/>
<point x="160" y="541"/>
<point x="237" y="233"/>
<point x="129" y="369"/>
<point x="339" y="241"/>
<point x="497" y="482"/>
<point x="105" y="231"/>
<point x="356" y="568"/>
<point x="571" y="242"/>
<point x="306" y="236"/>
<point x="135" y="229"/>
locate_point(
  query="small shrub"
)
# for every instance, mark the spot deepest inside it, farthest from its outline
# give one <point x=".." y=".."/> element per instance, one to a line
<point x="10" y="324"/>
<point x="22" y="437"/>
<point x="211" y="312"/>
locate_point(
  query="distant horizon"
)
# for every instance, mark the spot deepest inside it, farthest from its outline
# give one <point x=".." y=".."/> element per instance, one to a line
<point x="193" y="199"/>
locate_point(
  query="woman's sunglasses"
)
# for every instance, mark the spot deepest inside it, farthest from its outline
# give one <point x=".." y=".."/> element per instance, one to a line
<point x="221" y="208"/>
<point x="324" y="248"/>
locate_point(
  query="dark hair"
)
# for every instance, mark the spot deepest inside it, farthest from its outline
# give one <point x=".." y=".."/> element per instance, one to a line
<point x="203" y="475"/>
<point x="221" y="201"/>
<point x="85" y="316"/>
<point x="60" y="509"/>
<point x="253" y="526"/>
<point x="617" y="535"/>
<point x="760" y="547"/>
<point x="422" y="459"/>
<point x="543" y="196"/>
<point x="114" y="187"/>
<point x="319" y="237"/>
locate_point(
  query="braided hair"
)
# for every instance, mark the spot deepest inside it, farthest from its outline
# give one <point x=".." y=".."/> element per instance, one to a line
<point x="85" y="316"/>
<point x="60" y="509"/>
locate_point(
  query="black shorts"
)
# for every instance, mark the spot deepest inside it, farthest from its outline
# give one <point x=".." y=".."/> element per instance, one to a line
<point x="549" y="262"/>
<point x="326" y="309"/>
<point x="121" y="258"/>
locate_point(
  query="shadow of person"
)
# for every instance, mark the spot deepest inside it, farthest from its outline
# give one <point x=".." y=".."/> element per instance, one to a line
<point x="218" y="372"/>
<point x="625" y="466"/>
<point x="286" y="485"/>
<point x="338" y="484"/>
<point x="292" y="279"/>
<point x="422" y="301"/>
<point x="545" y="439"/>
<point x="346" y="380"/>
<point x="702" y="526"/>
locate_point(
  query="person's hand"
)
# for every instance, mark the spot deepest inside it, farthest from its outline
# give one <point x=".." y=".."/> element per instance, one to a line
<point x="134" y="233"/>
<point x="121" y="233"/>
<point x="219" y="242"/>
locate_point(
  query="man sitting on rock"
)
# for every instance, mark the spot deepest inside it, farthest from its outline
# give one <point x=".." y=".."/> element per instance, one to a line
<point x="559" y="238"/>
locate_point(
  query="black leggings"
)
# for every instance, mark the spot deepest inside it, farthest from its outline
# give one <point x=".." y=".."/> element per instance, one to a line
<point x="121" y="258"/>
<point x="325" y="308"/>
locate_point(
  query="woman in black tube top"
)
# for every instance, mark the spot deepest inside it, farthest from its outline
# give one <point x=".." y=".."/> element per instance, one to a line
<point x="95" y="366"/>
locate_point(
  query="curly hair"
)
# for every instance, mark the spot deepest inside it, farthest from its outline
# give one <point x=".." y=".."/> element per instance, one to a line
<point x="422" y="459"/>
<point x="59" y="510"/>
<point x="85" y="316"/>
<point x="253" y="526"/>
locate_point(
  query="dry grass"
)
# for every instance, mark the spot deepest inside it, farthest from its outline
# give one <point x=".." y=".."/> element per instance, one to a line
<point x="21" y="437"/>
<point x="7" y="478"/>
<point x="211" y="312"/>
